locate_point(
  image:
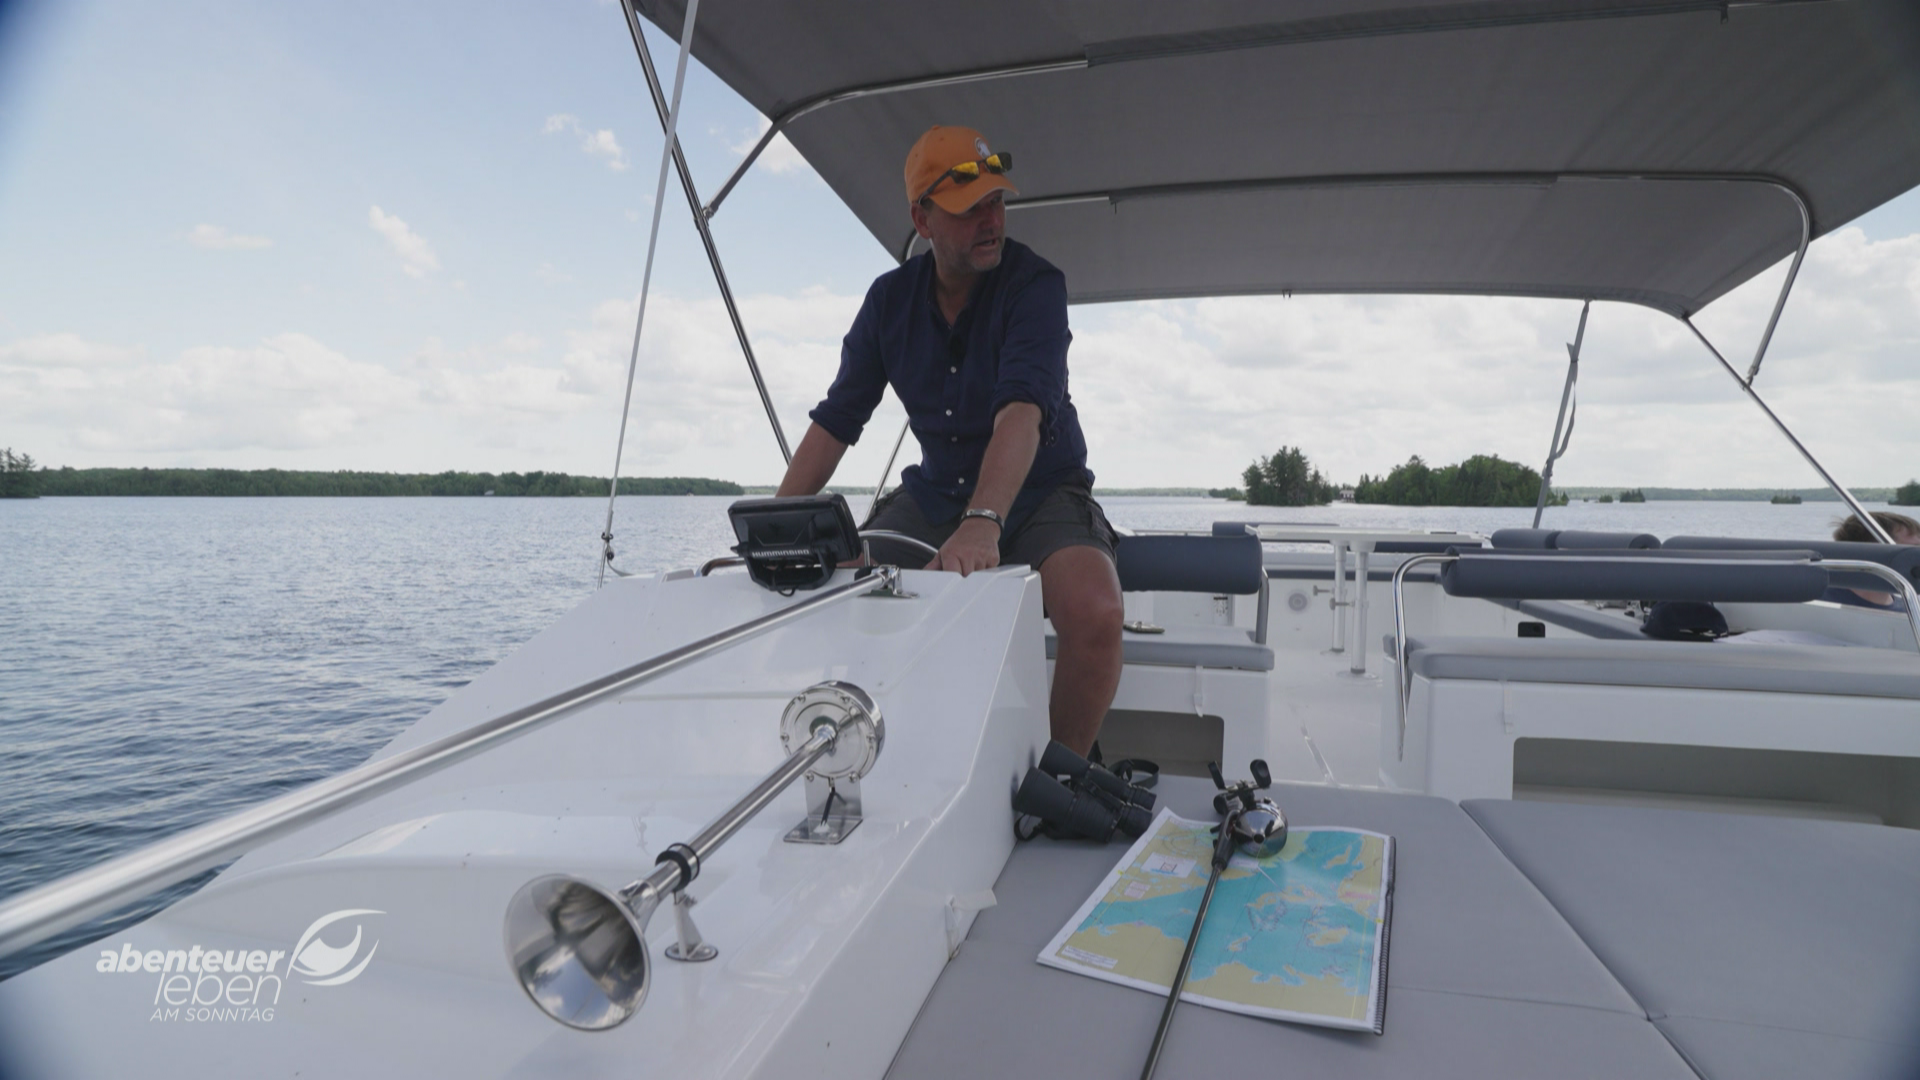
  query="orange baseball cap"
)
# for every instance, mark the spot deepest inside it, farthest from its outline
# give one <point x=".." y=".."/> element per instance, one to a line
<point x="939" y="150"/>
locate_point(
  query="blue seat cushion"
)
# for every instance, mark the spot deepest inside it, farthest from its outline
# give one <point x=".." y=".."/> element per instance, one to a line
<point x="1225" y="565"/>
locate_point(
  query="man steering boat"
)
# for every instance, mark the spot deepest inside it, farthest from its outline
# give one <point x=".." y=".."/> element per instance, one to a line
<point x="973" y="338"/>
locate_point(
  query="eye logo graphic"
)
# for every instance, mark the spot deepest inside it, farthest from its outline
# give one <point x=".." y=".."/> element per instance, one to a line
<point x="321" y="964"/>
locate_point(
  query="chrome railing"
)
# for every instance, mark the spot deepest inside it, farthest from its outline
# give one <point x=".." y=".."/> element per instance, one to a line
<point x="899" y="538"/>
<point x="40" y="913"/>
<point x="1403" y="689"/>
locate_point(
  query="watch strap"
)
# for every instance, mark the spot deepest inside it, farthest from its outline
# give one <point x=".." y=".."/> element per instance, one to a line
<point x="983" y="512"/>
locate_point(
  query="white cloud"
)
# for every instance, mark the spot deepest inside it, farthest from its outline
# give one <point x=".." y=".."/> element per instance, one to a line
<point x="287" y="392"/>
<point x="416" y="255"/>
<point x="779" y="157"/>
<point x="1171" y="392"/>
<point x="598" y="143"/>
<point x="1187" y="392"/>
<point x="216" y="238"/>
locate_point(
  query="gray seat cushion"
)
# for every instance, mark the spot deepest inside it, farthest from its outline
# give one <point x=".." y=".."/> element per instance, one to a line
<point x="1761" y="946"/>
<point x="1191" y="646"/>
<point x="1485" y="979"/>
<point x="1904" y="558"/>
<point x="1791" y="669"/>
<point x="1572" y="539"/>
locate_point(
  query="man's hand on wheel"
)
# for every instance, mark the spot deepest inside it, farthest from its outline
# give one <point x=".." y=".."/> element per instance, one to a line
<point x="975" y="545"/>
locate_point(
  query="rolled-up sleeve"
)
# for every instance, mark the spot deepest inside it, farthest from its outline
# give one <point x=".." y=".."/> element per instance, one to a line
<point x="857" y="389"/>
<point x="1033" y="356"/>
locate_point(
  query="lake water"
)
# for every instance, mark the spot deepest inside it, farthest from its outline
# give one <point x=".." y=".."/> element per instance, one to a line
<point x="167" y="661"/>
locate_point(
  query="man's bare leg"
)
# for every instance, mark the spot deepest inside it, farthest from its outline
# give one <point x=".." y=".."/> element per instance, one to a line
<point x="1082" y="595"/>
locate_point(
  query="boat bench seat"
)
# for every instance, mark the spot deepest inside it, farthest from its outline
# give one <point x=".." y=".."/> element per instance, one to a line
<point x="1528" y="939"/>
<point x="1484" y="978"/>
<point x="1215" y="671"/>
<point x="1473" y="699"/>
<point x="1761" y="947"/>
<point x="1220" y="564"/>
<point x="1721" y="665"/>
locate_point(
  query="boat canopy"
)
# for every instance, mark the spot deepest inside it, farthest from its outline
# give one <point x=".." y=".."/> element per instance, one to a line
<point x="1658" y="152"/>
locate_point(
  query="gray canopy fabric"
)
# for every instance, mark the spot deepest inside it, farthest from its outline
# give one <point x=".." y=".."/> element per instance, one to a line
<point x="1646" y="151"/>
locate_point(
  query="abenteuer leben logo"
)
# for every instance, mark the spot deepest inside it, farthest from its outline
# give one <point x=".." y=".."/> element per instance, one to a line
<point x="202" y="985"/>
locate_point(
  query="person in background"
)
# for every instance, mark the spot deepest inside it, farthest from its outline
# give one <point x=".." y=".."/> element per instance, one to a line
<point x="1903" y="530"/>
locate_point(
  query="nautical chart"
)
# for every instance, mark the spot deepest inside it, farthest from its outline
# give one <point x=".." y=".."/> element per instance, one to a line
<point x="1301" y="935"/>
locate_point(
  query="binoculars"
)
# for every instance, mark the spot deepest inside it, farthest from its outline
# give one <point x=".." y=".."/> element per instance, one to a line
<point x="1076" y="798"/>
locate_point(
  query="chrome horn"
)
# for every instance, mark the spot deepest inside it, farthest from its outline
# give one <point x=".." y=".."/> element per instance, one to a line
<point x="580" y="952"/>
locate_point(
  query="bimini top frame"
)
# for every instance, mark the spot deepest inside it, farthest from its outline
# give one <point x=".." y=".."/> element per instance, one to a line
<point x="1628" y="150"/>
<point x="1252" y="147"/>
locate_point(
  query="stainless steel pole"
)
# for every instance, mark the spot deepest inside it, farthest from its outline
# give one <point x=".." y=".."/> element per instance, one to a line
<point x="1360" y="552"/>
<point x="670" y="875"/>
<point x="779" y="123"/>
<point x="1222" y="854"/>
<point x="669" y="120"/>
<point x="731" y="819"/>
<point x="1793" y="271"/>
<point x="891" y="458"/>
<point x="1339" y="596"/>
<point x="706" y="234"/>
<point x="1873" y="526"/>
<point x="1556" y="447"/>
<point x="39" y="914"/>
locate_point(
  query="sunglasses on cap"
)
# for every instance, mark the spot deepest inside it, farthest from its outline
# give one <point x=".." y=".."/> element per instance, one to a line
<point x="968" y="171"/>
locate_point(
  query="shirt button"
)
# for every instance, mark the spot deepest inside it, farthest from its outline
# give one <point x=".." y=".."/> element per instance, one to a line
<point x="953" y="438"/>
<point x="954" y="369"/>
<point x="949" y="412"/>
<point x="963" y="479"/>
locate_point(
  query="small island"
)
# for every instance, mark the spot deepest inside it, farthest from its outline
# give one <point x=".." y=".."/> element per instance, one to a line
<point x="1288" y="478"/>
<point x="1785" y="500"/>
<point x="1633" y="495"/>
<point x="1907" y="494"/>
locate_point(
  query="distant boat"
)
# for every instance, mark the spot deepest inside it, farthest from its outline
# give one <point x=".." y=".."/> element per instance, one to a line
<point x="1786" y="500"/>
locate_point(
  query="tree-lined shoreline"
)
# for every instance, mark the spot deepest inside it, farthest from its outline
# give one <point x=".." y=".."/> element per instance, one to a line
<point x="268" y="483"/>
<point x="1286" y="478"/>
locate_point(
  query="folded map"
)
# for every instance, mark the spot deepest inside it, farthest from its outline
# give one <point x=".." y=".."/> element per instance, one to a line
<point x="1300" y="935"/>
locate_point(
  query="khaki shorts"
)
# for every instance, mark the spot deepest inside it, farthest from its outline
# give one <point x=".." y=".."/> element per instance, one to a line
<point x="1067" y="517"/>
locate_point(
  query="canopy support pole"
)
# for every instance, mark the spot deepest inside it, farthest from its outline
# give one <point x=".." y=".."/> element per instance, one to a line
<point x="779" y="123"/>
<point x="669" y="117"/>
<point x="1793" y="271"/>
<point x="1559" y="446"/>
<point x="1873" y="526"/>
<point x="700" y="224"/>
<point x="881" y="487"/>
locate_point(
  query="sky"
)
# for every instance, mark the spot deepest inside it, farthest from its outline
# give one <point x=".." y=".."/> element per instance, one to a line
<point x="410" y="237"/>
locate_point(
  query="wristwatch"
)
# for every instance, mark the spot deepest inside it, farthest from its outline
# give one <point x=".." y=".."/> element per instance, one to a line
<point x="983" y="512"/>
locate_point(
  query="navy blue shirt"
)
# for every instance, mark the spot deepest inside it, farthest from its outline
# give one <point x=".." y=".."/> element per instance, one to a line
<point x="1009" y="344"/>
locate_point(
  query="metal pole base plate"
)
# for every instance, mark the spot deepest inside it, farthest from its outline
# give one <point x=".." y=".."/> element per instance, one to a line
<point x="699" y="954"/>
<point x="828" y="830"/>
